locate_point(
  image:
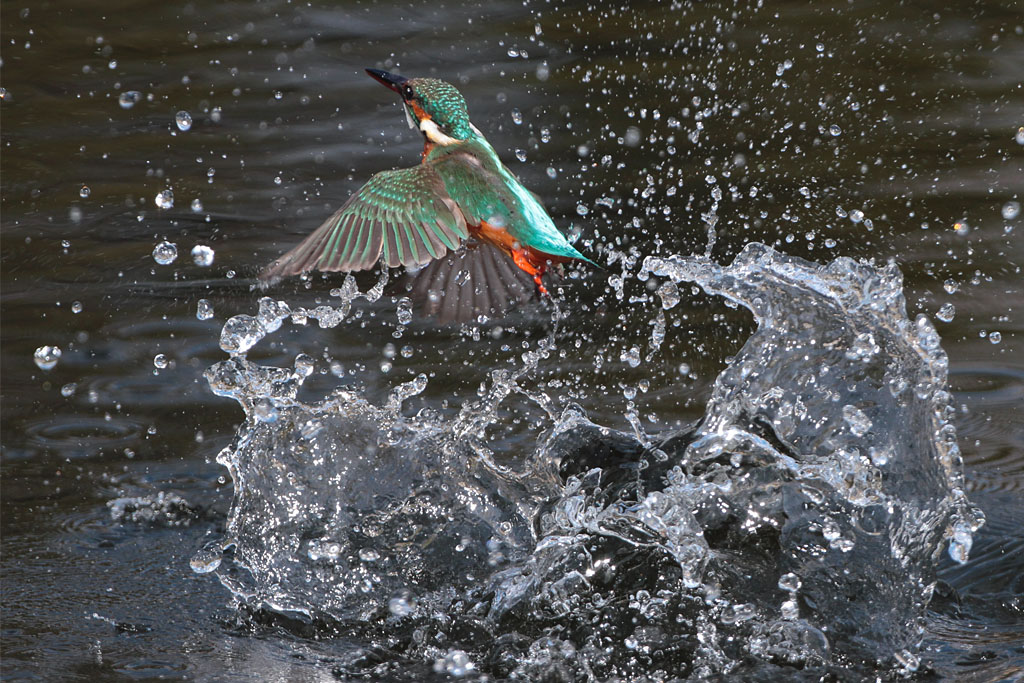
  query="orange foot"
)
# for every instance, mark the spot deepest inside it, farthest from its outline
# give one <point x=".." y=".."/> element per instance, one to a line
<point x="521" y="259"/>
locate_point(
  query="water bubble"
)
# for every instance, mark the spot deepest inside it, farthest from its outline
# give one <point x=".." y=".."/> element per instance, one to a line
<point x="204" y="309"/>
<point x="960" y="543"/>
<point x="165" y="253"/>
<point x="520" y="154"/>
<point x="76" y="307"/>
<point x="946" y="312"/>
<point x="683" y="369"/>
<point x="160" y="361"/>
<point x="1011" y="210"/>
<point x="859" y="422"/>
<point x="202" y="255"/>
<point x="68" y="389"/>
<point x="197" y="206"/>
<point x="75" y="214"/>
<point x="1019" y="137"/>
<point x="517" y="117"/>
<point x="835" y="131"/>
<point x="543" y="72"/>
<point x="995" y="337"/>
<point x="183" y="120"/>
<point x="85" y="192"/>
<point x="128" y="98"/>
<point x="951" y="286"/>
<point x="632" y="136"/>
<point x="46" y="357"/>
<point x="790" y="609"/>
<point x="856" y="215"/>
<point x="582" y="209"/>
<point x="164" y="199"/>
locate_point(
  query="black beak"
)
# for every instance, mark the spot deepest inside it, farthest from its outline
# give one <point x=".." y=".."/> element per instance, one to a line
<point x="390" y="80"/>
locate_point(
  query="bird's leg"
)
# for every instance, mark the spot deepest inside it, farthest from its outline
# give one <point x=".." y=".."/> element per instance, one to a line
<point x="522" y="259"/>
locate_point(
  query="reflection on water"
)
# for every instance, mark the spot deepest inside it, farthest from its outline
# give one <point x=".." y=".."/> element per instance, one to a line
<point x="824" y="130"/>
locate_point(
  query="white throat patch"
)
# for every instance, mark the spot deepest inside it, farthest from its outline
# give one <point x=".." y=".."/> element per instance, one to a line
<point x="435" y="135"/>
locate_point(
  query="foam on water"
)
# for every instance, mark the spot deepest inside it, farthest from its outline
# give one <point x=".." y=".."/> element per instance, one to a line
<point x="798" y="524"/>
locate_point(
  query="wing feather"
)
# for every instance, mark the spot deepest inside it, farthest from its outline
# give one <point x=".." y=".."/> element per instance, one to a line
<point x="401" y="217"/>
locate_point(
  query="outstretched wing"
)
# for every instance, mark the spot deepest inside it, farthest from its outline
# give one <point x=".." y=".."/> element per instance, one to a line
<point x="478" y="279"/>
<point x="401" y="217"/>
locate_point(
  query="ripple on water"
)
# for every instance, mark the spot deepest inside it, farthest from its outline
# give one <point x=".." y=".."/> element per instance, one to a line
<point x="77" y="436"/>
<point x="991" y="435"/>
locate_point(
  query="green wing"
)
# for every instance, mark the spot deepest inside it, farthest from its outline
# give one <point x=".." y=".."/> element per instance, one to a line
<point x="401" y="217"/>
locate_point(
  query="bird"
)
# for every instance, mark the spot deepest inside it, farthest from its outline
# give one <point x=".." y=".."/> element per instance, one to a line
<point x="474" y="241"/>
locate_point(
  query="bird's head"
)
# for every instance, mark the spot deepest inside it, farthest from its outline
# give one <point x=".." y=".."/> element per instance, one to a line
<point x="432" y="106"/>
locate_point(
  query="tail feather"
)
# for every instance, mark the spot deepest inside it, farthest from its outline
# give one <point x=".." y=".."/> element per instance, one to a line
<point x="477" y="280"/>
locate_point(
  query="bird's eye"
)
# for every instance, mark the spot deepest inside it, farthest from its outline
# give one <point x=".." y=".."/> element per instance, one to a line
<point x="408" y="92"/>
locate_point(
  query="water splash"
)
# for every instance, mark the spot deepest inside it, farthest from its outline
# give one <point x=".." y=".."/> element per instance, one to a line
<point x="825" y="467"/>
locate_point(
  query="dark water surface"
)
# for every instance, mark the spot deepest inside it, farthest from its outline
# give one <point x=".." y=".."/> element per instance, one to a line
<point x="822" y="129"/>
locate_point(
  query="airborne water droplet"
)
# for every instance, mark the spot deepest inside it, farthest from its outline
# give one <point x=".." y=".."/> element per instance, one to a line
<point x="202" y="255"/>
<point x="165" y="199"/>
<point x="183" y="120"/>
<point x="165" y="253"/>
<point x="204" y="309"/>
<point x="46" y="357"/>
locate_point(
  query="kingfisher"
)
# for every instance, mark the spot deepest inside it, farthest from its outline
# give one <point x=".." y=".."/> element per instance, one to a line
<point x="473" y="239"/>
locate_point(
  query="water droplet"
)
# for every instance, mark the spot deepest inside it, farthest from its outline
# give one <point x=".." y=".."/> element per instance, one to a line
<point x="1019" y="137"/>
<point x="46" y="357"/>
<point x="184" y="120"/>
<point x="368" y="555"/>
<point x="76" y="307"/>
<point x="202" y="255"/>
<point x="206" y="560"/>
<point x="405" y="310"/>
<point x="961" y="228"/>
<point x="946" y="312"/>
<point x="632" y="137"/>
<point x="164" y="199"/>
<point x="543" y="72"/>
<point x="631" y="356"/>
<point x="835" y="131"/>
<point x="240" y="334"/>
<point x="455" y="663"/>
<point x="995" y="337"/>
<point x="265" y="411"/>
<point x="68" y="389"/>
<point x="582" y="209"/>
<point x="520" y="154"/>
<point x="517" y="117"/>
<point x="856" y="215"/>
<point x="669" y="294"/>
<point x="859" y="422"/>
<point x="789" y="582"/>
<point x="165" y="253"/>
<point x="197" y="206"/>
<point x="75" y="214"/>
<point x="400" y="606"/>
<point x="1011" y="210"/>
<point x="128" y="98"/>
<point x="160" y="361"/>
<point x="85" y="192"/>
<point x="204" y="309"/>
<point x="951" y="286"/>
